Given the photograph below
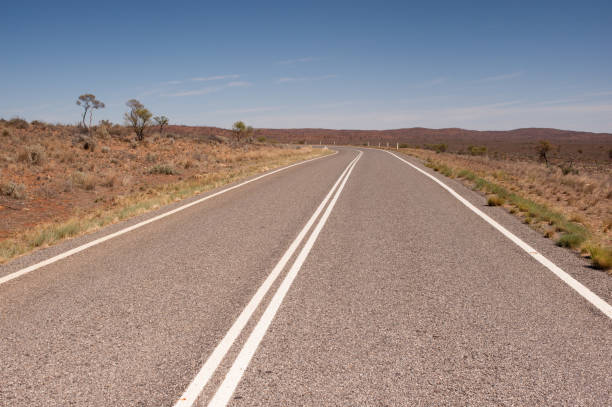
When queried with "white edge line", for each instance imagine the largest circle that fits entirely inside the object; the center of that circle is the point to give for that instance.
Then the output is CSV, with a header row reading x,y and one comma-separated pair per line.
x,y
234,375
78,249
212,363
590,296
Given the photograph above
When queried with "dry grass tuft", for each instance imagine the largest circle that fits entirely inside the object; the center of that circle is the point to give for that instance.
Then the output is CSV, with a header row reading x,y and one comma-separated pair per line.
x,y
495,200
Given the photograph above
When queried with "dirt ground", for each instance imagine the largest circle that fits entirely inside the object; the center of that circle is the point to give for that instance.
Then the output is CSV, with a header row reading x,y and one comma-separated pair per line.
x,y
50,172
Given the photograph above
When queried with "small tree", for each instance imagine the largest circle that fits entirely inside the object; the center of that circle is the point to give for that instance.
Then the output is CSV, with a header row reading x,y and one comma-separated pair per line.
x,y
543,148
162,121
242,132
89,103
137,117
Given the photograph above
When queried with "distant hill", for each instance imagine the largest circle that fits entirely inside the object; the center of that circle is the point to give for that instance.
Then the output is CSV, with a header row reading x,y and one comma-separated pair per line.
x,y
567,143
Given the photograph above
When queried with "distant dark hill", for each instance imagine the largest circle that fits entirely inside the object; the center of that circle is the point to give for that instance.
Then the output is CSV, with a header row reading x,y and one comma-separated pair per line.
x,y
520,142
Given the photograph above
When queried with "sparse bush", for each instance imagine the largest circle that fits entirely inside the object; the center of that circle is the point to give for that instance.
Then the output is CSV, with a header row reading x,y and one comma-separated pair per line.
x,y
151,158
198,156
495,200
6,133
242,132
18,123
13,190
89,144
601,256
568,168
102,133
438,148
572,240
403,145
38,123
477,150
84,180
467,174
261,139
109,180
33,155
441,168
162,169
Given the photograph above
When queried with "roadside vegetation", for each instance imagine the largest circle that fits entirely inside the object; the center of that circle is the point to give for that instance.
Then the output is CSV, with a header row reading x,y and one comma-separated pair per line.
x,y
568,202
61,181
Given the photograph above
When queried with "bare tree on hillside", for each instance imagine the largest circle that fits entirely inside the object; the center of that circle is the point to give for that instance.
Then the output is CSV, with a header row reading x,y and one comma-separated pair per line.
x,y
162,121
543,148
89,103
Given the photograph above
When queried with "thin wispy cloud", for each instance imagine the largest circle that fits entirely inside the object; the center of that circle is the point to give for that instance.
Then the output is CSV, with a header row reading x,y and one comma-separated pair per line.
x,y
502,77
604,93
215,78
246,110
433,82
297,60
304,78
195,92
572,99
208,90
238,84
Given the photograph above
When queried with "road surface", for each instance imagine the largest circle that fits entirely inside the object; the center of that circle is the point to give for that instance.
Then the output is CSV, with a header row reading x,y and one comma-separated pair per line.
x,y
354,279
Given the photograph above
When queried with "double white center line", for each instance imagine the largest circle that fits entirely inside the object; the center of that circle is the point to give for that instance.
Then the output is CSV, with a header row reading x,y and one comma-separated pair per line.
x,y
225,391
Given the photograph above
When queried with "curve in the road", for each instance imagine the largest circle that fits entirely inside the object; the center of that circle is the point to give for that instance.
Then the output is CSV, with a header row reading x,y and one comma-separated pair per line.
x,y
587,294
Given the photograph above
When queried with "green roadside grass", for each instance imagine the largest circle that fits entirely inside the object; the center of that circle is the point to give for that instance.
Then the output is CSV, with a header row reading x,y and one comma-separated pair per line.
x,y
128,206
567,233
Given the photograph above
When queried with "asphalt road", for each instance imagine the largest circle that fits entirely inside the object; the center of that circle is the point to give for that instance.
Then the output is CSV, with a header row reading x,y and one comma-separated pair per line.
x,y
349,280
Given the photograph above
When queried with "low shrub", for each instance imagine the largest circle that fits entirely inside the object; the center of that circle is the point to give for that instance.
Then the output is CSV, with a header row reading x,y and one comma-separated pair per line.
x,y
572,240
18,123
84,180
601,256
162,169
89,144
13,190
33,155
477,150
438,148
495,200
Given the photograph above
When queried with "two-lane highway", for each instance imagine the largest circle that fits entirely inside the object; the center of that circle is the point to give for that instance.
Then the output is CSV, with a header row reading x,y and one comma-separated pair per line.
x,y
349,280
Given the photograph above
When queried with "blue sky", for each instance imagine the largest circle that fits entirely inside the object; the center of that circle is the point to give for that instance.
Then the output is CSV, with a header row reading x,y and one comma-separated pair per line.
x,y
334,64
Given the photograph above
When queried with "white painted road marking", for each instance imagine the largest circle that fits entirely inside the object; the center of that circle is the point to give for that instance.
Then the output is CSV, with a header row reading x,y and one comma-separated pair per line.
x,y
233,377
212,363
567,279
78,249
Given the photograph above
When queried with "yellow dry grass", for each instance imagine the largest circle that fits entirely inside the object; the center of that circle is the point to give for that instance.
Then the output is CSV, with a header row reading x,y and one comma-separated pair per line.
x,y
115,181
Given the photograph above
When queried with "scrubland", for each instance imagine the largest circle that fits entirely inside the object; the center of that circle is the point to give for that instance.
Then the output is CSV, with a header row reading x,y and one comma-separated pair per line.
x,y
60,181
568,202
